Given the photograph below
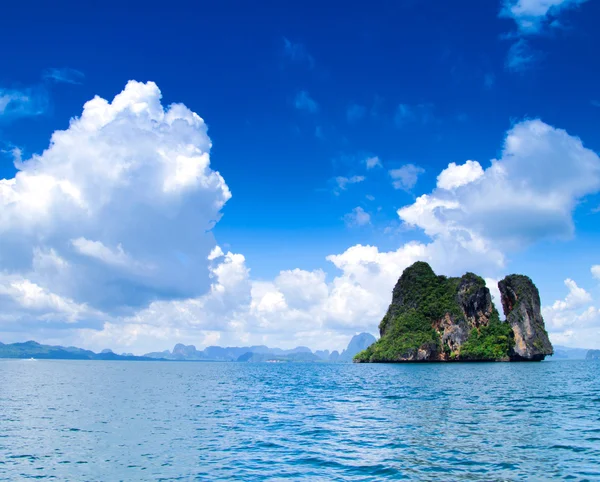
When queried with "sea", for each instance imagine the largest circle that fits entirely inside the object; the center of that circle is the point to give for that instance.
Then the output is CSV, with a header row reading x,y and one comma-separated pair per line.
x,y
129,421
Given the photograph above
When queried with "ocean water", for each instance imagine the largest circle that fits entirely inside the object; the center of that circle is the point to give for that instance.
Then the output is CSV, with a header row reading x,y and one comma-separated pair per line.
x,y
110,421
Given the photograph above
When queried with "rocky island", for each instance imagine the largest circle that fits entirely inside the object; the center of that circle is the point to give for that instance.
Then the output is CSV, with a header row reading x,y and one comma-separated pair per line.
x,y
593,355
436,319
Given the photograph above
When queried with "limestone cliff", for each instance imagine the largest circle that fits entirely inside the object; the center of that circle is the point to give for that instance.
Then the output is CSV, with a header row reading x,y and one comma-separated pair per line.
x,y
435,318
521,305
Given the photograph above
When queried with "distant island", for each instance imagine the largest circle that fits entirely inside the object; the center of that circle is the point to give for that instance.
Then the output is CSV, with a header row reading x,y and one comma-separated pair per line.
x,y
260,353
435,318
593,355
32,349
568,353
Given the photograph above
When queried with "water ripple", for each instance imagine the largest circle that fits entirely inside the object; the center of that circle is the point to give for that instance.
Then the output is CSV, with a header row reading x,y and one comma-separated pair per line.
x,y
77,420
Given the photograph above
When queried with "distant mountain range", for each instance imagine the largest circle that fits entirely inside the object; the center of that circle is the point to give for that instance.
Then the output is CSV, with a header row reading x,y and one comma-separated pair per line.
x,y
260,353
32,349
566,353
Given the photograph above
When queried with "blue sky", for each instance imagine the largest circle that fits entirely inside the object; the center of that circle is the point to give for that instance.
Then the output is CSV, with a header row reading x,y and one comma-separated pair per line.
x,y
297,98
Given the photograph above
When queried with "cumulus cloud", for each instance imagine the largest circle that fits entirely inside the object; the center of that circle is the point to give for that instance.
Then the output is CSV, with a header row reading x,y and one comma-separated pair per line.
x,y
95,249
576,298
405,177
26,300
527,195
124,197
567,318
596,271
542,173
456,176
105,236
358,217
305,102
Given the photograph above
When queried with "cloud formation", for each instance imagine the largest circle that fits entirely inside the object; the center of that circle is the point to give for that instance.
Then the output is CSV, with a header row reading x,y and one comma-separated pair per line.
x,y
372,162
64,75
573,320
105,236
343,182
305,102
358,217
532,16
456,176
406,177
117,211
521,56
27,102
527,195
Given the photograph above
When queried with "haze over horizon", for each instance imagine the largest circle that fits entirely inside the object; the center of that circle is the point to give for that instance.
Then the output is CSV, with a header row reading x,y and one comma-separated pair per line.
x,y
271,191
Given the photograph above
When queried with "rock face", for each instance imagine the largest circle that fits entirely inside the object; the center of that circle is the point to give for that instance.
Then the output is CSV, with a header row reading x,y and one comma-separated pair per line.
x,y
435,318
521,305
357,344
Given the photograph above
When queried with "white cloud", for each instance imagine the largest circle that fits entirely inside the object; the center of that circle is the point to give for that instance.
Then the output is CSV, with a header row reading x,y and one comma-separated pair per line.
x,y
459,175
26,300
521,56
406,177
343,182
492,285
95,249
527,195
27,102
596,271
358,217
64,75
305,102
532,15
373,162
571,313
127,184
576,298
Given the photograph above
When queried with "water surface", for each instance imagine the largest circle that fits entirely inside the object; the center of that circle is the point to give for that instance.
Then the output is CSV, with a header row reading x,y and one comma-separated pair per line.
x,y
80,420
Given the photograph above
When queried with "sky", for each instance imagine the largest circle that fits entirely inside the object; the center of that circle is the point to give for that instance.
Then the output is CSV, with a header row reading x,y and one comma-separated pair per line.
x,y
236,173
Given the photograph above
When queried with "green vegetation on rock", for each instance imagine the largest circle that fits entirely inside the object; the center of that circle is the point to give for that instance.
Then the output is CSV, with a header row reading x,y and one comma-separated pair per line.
x,y
492,342
409,331
435,318
419,298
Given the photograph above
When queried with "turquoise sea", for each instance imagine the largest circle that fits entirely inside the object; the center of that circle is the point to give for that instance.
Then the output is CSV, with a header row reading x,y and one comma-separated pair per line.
x,y
110,421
